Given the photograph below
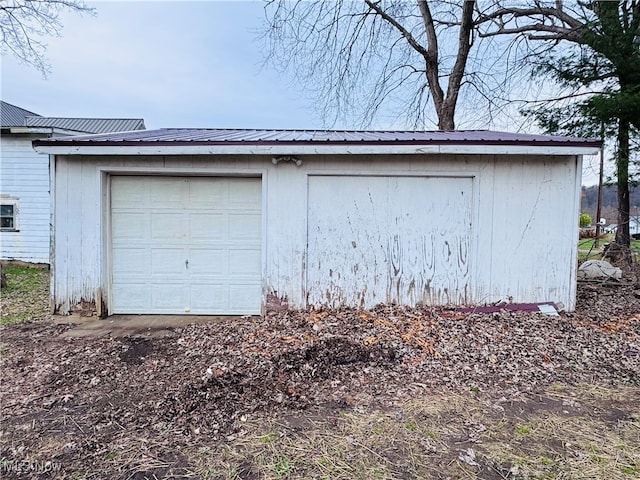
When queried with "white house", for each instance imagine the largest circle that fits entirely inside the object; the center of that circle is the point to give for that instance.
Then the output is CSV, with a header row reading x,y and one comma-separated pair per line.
x,y
25,212
207,221
634,226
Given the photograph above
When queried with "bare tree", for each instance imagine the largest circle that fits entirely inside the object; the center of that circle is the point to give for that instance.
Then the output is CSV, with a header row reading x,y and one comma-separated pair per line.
x,y
357,55
25,23
364,59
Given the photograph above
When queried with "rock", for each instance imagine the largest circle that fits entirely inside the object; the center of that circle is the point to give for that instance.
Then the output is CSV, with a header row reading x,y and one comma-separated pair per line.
x,y
598,269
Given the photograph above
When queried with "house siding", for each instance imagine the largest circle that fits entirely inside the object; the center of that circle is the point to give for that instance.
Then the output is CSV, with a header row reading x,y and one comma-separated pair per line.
x,y
25,177
523,216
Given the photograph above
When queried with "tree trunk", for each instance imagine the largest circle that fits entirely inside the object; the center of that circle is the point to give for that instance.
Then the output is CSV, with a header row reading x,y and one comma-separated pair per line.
x,y
622,249
446,113
445,117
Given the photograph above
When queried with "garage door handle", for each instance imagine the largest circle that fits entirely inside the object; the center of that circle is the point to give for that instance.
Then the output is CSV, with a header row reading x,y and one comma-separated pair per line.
x,y
186,263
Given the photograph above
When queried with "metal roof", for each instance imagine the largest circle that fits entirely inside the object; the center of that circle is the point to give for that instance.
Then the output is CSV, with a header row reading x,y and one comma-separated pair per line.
x,y
12,116
256,137
87,125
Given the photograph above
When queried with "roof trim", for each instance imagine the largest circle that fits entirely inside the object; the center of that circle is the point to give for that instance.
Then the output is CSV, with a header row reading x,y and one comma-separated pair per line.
x,y
298,148
183,141
40,131
245,143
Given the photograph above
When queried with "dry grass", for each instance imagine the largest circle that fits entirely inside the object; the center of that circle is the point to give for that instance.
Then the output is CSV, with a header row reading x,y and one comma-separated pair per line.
x,y
554,446
563,433
26,296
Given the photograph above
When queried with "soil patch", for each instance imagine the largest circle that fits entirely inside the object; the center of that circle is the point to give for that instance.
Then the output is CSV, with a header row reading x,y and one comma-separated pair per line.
x,y
388,393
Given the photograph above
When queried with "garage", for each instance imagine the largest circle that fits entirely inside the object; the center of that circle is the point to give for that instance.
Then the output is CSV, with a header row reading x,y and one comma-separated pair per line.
x,y
249,221
397,239
185,245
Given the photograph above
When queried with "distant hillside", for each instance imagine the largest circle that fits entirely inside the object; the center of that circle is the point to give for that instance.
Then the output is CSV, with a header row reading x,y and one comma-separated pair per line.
x,y
589,201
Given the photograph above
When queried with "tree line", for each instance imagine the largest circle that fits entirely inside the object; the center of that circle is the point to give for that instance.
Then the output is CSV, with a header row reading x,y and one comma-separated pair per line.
x,y
589,201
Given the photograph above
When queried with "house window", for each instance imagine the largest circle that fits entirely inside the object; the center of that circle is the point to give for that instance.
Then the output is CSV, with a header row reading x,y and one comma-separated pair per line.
x,y
8,212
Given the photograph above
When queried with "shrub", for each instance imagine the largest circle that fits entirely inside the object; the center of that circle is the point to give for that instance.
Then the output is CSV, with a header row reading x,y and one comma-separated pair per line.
x,y
585,220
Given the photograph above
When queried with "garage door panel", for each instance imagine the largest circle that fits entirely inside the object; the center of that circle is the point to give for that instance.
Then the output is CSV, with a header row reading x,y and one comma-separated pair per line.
x,y
165,226
168,261
203,196
175,240
130,261
243,263
207,295
243,296
209,262
208,226
132,296
129,225
169,297
127,191
242,227
242,195
168,194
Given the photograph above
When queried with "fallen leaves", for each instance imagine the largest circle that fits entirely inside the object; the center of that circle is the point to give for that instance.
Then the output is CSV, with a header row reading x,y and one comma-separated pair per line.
x,y
207,378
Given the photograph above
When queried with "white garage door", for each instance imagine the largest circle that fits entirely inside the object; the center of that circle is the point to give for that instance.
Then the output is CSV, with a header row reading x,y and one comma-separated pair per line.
x,y
389,239
186,245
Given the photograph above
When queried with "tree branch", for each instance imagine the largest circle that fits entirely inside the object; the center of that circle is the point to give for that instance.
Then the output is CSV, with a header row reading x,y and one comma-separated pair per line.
x,y
545,12
22,22
405,33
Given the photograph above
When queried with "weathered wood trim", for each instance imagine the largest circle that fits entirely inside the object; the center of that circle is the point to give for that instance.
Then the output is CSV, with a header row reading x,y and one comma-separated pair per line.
x,y
573,280
105,235
170,150
52,236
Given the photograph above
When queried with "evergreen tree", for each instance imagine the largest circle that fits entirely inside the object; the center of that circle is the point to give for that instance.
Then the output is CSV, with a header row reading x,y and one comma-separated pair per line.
x,y
601,69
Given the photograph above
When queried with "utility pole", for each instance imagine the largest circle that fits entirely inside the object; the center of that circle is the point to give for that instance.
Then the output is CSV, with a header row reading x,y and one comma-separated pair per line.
x,y
596,243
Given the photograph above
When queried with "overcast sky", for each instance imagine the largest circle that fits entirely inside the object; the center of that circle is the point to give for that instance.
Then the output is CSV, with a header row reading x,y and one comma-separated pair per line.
x,y
175,64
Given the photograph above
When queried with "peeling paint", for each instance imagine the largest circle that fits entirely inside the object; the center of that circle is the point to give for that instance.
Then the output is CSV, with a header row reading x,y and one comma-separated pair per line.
x,y
423,244
276,302
429,229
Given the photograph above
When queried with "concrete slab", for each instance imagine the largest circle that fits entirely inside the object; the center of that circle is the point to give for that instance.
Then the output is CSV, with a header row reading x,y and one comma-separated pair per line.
x,y
74,319
147,326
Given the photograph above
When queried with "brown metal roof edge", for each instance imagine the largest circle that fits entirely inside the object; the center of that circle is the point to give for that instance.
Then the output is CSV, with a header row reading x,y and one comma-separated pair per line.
x,y
167,143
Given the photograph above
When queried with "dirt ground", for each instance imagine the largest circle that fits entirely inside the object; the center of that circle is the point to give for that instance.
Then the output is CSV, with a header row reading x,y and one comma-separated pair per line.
x,y
391,393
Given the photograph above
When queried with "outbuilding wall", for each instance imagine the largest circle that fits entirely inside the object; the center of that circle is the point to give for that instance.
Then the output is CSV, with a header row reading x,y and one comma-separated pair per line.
x,y
523,225
24,181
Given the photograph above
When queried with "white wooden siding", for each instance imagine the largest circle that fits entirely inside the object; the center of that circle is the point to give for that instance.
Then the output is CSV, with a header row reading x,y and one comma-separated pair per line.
x,y
523,212
25,176
533,223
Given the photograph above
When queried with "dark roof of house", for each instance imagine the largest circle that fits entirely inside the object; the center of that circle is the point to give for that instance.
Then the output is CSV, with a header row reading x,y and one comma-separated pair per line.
x,y
88,125
212,136
12,116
